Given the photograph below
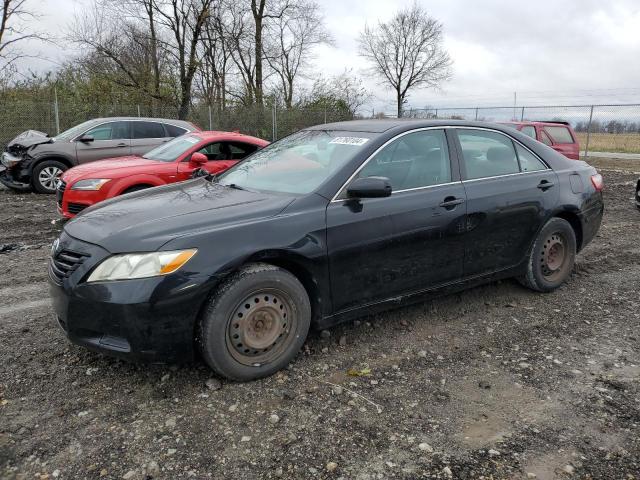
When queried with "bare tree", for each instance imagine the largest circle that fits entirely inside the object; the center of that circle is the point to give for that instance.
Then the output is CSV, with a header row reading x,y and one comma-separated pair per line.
x,y
407,52
13,32
121,48
216,57
342,92
292,36
185,21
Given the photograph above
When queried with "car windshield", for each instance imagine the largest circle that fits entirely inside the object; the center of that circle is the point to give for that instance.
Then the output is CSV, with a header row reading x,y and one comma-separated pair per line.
x,y
170,151
75,131
298,163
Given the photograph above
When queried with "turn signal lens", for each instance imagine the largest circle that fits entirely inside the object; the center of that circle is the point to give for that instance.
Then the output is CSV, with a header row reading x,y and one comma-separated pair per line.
x,y
598,182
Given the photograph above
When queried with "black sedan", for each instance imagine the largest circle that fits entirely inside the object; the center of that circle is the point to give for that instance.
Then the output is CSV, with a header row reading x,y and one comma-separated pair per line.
x,y
330,223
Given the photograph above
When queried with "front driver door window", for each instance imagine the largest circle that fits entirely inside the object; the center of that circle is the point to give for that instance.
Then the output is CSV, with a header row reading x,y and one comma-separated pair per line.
x,y
110,139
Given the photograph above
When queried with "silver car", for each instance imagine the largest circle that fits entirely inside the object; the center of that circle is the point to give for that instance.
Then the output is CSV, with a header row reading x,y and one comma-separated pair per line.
x,y
33,160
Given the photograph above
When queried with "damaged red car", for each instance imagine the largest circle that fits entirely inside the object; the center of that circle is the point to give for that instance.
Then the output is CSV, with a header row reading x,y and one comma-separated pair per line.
x,y
174,161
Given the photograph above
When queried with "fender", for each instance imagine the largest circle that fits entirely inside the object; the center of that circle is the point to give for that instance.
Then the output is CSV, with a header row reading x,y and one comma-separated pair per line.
x,y
119,185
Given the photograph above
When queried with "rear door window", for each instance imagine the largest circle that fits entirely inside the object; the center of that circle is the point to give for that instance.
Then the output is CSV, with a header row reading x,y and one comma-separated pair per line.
x,y
487,154
559,134
148,130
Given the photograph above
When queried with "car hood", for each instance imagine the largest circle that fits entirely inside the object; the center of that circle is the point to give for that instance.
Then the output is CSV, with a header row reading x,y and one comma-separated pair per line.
x,y
29,138
146,220
107,168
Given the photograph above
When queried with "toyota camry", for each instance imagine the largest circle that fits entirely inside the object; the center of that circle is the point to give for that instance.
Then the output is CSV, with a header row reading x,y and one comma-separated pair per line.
x,y
330,223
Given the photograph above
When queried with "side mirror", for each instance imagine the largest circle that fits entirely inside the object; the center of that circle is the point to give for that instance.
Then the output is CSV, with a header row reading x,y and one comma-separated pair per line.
x,y
369,187
86,138
197,160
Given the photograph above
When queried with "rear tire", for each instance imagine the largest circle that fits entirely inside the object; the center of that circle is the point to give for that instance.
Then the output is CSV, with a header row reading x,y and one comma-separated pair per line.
x,y
45,175
551,258
255,323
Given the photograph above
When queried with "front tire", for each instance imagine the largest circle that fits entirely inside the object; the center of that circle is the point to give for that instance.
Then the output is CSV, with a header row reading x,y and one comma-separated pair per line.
x,y
255,323
46,174
552,257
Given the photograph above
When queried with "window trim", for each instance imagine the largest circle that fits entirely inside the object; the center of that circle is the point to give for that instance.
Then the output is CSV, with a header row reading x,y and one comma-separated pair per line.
x,y
130,122
338,194
513,140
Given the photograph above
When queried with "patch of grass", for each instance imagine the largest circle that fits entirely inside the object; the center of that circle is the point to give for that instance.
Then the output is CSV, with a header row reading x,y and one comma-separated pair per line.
x,y
611,142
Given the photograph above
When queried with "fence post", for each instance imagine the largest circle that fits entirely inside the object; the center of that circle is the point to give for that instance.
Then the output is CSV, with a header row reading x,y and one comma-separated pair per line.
x,y
56,110
210,119
522,115
274,117
436,113
325,114
586,148
138,111
476,114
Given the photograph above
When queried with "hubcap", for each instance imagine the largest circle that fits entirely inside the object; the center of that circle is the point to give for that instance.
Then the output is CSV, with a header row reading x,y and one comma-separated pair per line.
x,y
48,177
553,256
260,327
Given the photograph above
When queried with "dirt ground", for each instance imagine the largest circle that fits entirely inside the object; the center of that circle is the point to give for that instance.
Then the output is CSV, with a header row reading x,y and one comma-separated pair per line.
x,y
496,382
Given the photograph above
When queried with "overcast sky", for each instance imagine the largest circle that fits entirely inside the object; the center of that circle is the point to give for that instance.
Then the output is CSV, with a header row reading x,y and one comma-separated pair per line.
x,y
548,51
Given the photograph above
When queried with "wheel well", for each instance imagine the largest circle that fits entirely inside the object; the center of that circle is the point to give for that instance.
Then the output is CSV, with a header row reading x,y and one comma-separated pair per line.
x,y
137,186
63,160
574,221
304,276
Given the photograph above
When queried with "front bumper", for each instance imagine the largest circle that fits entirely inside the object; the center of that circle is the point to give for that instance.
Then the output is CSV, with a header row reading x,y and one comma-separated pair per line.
x,y
150,319
8,180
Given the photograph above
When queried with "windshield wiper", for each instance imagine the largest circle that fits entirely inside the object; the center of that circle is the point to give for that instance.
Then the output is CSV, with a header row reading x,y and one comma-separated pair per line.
x,y
234,186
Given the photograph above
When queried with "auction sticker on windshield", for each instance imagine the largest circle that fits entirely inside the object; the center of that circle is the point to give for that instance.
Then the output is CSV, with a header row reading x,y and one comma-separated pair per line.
x,y
349,141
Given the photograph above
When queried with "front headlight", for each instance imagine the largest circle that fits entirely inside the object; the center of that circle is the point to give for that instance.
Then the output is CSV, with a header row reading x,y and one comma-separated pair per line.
x,y
90,184
9,160
140,265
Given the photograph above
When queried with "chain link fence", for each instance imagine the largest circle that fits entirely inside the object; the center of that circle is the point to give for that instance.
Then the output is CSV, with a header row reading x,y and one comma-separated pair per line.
x,y
265,122
600,128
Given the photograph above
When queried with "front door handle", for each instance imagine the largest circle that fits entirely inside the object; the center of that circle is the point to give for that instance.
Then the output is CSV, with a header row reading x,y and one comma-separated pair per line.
x,y
121,145
451,202
545,185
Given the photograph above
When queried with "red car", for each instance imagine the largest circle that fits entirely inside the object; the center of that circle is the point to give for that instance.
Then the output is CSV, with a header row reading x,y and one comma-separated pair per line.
x,y
174,161
558,135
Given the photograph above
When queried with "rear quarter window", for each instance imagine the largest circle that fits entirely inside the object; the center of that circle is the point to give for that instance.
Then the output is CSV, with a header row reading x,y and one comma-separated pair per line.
x,y
173,131
529,131
559,134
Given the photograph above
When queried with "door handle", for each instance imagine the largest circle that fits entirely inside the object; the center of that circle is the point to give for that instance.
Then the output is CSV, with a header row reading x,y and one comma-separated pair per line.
x,y
121,145
545,185
451,202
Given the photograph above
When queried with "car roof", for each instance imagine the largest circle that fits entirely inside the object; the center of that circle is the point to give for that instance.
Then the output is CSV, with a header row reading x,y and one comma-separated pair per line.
x,y
212,134
383,125
171,121
542,123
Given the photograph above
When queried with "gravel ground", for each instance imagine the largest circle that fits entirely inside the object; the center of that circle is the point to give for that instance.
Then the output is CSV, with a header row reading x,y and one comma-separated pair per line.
x,y
495,382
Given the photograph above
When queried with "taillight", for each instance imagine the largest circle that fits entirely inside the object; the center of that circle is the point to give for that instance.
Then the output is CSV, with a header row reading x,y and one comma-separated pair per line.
x,y
598,182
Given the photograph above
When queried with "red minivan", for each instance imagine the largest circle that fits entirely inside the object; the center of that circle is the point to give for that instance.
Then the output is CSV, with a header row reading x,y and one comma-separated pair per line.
x,y
558,135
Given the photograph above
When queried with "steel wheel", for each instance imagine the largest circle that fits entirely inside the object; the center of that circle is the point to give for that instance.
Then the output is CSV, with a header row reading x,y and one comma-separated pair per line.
x,y
553,257
261,327
48,177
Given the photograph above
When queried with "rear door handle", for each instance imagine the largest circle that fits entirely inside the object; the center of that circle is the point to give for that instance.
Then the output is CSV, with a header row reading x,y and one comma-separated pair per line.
x,y
451,202
121,145
545,185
